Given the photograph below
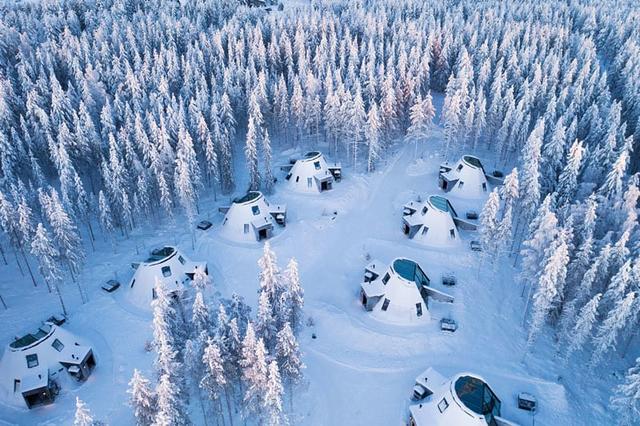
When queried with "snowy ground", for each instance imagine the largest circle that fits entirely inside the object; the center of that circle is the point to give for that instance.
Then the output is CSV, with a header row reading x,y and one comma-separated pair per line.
x,y
359,370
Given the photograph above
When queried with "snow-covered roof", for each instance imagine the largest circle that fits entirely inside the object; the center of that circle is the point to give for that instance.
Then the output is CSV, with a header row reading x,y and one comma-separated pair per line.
x,y
166,264
466,178
308,173
462,400
431,222
27,362
399,288
247,215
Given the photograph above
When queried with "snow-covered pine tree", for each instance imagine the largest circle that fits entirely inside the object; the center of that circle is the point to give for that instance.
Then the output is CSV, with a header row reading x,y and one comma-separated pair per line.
x,y
251,154
613,183
292,299
289,358
142,399
254,372
46,254
266,320
451,114
214,381
580,333
543,230
372,136
201,280
187,179
626,398
530,181
551,279
200,317
357,122
568,179
421,115
269,180
83,415
171,409
270,278
273,397
490,226
65,235
608,331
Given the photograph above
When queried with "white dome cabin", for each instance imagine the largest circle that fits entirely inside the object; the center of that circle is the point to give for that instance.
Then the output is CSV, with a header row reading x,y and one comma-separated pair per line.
x,y
251,218
169,266
34,365
398,292
466,178
433,222
312,174
463,400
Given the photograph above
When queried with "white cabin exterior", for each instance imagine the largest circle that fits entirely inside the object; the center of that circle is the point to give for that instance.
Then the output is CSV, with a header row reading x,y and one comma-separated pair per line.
x,y
33,366
166,265
466,178
312,174
462,400
431,222
398,292
252,218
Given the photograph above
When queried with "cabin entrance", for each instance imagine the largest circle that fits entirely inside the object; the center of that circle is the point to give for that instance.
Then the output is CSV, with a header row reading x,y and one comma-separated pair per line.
x,y
325,186
364,299
405,229
262,234
444,184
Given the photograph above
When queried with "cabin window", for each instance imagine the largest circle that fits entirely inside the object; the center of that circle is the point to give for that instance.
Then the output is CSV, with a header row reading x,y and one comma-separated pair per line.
x,y
385,304
460,184
133,283
425,209
443,405
419,309
32,360
484,186
181,259
309,181
288,176
16,385
385,279
452,233
166,271
460,167
317,165
425,229
57,345
246,228
255,210
153,294
297,179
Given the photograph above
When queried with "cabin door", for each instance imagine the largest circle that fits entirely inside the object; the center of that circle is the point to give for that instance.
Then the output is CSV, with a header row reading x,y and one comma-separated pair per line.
x,y
262,234
324,186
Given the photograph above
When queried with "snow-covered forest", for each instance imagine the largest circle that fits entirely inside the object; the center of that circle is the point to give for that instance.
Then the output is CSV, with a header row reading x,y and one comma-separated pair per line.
x,y
120,115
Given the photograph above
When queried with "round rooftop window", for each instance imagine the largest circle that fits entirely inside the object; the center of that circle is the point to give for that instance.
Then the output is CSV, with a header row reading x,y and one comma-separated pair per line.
x,y
250,196
440,203
477,396
311,154
475,162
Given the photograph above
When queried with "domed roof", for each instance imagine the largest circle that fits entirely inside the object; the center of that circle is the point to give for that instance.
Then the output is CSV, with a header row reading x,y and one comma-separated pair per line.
x,y
166,264
310,174
27,362
465,400
400,292
431,222
466,178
